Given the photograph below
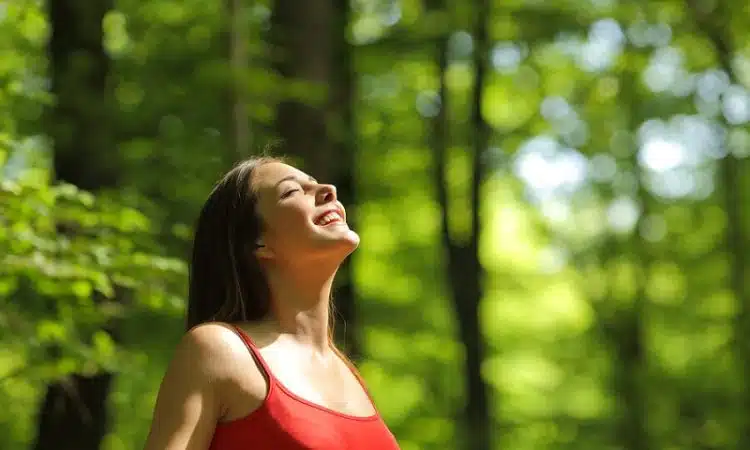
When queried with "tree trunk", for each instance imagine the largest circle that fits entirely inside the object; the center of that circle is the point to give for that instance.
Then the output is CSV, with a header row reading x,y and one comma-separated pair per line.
x,y
343,134
466,266
236,28
714,21
73,414
735,241
622,326
301,49
631,432
465,271
80,122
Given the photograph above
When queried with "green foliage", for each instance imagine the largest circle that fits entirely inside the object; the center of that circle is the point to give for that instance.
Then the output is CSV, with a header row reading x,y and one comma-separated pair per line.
x,y
568,258
72,263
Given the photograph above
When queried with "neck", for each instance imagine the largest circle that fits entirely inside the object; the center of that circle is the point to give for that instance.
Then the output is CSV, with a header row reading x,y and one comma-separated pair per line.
x,y
301,304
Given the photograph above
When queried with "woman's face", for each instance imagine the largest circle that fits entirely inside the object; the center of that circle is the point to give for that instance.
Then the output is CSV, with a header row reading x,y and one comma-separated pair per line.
x,y
302,219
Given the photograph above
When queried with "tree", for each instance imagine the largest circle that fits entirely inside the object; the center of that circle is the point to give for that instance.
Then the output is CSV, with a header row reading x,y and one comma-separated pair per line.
x,y
301,52
464,269
73,413
236,26
714,22
627,331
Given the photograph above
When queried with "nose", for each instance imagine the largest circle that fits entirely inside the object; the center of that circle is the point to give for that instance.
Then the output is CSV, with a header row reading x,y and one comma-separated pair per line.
x,y
326,194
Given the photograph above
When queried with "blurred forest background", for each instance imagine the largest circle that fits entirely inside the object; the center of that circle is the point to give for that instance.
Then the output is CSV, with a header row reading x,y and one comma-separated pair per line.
x,y
550,195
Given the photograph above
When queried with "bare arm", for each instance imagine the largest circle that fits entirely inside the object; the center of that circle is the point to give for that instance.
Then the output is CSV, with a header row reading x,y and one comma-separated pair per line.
x,y
188,405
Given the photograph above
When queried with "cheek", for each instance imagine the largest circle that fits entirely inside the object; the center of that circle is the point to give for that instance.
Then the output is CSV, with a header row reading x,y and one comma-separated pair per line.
x,y
289,221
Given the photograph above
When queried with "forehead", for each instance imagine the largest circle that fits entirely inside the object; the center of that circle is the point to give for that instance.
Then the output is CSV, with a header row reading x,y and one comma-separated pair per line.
x,y
268,176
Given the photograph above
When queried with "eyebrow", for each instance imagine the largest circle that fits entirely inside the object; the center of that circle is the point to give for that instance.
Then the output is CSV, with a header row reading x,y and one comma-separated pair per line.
x,y
294,178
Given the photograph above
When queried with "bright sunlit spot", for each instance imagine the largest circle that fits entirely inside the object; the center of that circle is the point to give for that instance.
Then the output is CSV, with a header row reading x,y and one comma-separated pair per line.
x,y
623,214
665,72
678,154
736,105
661,155
603,46
506,56
549,169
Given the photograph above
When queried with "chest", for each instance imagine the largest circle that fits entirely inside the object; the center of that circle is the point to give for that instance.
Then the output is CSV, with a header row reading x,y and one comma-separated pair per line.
x,y
331,386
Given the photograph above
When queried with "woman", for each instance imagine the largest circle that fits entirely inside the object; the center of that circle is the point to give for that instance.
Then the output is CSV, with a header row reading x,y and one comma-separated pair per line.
x,y
257,369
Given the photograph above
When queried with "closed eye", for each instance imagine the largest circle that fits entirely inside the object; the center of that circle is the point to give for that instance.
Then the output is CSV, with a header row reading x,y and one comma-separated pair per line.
x,y
290,192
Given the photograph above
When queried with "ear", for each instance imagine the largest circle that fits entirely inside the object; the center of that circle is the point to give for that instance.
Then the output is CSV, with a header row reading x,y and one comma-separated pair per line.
x,y
261,251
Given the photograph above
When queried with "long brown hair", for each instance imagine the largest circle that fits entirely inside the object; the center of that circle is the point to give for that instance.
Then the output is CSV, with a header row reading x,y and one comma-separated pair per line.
x,y
226,280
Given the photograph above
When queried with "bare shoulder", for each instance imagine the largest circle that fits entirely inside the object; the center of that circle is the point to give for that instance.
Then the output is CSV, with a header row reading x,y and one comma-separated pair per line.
x,y
213,349
213,337
241,383
209,364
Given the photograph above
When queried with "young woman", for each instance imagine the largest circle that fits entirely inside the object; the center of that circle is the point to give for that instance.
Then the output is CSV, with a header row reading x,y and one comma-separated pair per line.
x,y
257,369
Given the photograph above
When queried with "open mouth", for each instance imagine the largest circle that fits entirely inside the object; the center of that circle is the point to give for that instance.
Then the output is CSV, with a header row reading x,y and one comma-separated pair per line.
x,y
329,218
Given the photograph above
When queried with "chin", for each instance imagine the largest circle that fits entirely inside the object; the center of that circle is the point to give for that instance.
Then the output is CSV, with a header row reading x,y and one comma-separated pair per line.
x,y
349,242
341,245
353,238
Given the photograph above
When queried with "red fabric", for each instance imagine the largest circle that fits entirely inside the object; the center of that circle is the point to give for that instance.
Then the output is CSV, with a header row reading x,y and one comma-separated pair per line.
x,y
285,421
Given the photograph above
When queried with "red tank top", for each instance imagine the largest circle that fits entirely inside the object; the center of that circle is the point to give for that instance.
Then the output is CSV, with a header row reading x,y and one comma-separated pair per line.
x,y
285,421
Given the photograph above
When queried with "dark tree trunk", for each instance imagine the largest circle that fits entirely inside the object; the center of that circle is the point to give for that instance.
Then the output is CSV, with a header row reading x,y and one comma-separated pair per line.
x,y
630,339
465,271
622,326
342,131
80,121
629,375
73,414
301,50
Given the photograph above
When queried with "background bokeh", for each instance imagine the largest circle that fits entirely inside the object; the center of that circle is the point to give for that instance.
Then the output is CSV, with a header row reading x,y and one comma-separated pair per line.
x,y
551,197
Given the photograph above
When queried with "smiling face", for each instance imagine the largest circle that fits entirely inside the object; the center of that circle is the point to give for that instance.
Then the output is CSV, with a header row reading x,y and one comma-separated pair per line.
x,y
302,219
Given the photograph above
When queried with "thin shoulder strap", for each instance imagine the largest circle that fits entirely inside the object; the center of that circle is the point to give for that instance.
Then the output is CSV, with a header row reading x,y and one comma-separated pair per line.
x,y
254,351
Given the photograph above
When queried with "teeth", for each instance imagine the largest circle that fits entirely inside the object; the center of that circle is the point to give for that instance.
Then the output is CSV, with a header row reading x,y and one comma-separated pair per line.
x,y
328,218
